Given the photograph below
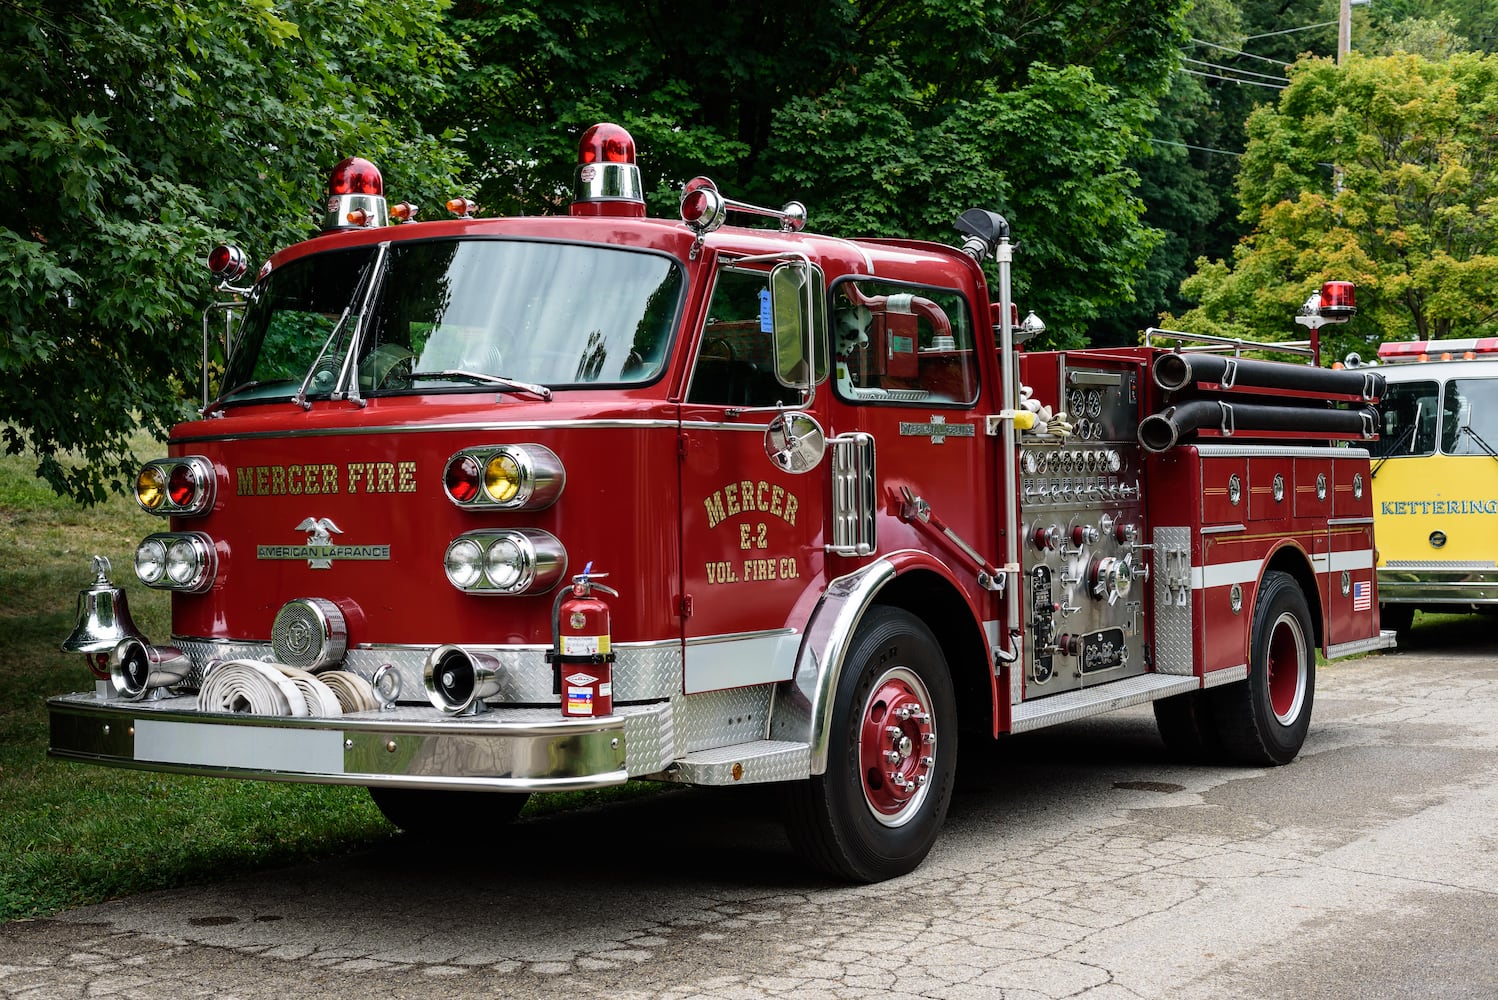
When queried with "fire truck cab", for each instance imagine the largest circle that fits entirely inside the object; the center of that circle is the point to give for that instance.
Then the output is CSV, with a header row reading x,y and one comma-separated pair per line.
x,y
483,507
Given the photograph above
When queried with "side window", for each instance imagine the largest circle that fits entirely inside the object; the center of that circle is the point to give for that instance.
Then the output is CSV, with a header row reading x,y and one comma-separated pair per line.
x,y
1408,416
735,363
902,344
1469,416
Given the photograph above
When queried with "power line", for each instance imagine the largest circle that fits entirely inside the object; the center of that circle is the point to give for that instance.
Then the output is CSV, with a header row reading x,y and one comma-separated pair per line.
x,y
1289,31
1239,52
1233,69
1187,145
1234,79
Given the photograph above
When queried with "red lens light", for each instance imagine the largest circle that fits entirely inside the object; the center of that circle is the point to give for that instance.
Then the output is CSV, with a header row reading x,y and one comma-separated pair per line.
x,y
356,175
1338,295
182,487
227,262
606,143
694,206
462,478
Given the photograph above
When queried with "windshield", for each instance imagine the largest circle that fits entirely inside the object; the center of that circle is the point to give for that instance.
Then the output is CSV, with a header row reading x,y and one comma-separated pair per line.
x,y
1408,420
455,315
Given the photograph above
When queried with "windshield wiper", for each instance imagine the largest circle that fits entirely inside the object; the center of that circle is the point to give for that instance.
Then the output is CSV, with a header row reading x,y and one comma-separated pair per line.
x,y
483,378
1408,432
1480,442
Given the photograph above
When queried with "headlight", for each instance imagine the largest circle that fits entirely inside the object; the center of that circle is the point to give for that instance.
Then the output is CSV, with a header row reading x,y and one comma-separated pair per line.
x,y
181,486
172,561
505,477
506,561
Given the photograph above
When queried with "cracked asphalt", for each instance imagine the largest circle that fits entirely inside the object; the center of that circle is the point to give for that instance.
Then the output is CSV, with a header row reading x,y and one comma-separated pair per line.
x,y
1076,862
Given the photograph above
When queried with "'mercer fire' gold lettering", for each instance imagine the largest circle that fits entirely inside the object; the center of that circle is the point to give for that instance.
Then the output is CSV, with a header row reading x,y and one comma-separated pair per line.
x,y
325,479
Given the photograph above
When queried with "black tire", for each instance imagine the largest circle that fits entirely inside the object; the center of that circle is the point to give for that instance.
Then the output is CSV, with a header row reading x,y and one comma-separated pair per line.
x,y
854,822
1187,728
1399,617
1264,719
423,812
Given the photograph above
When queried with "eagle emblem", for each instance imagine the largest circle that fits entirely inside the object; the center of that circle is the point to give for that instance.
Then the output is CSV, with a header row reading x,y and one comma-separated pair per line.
x,y
320,532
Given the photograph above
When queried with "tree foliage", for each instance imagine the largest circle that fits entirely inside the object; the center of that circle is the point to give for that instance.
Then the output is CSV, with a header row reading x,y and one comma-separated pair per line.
x,y
136,133
1381,172
885,119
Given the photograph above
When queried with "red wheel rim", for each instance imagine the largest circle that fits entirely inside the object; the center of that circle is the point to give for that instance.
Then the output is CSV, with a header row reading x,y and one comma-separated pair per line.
x,y
1286,668
896,746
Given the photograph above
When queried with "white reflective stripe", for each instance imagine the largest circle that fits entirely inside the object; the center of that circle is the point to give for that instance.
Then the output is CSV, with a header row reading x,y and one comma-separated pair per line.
x,y
1247,571
250,748
1225,574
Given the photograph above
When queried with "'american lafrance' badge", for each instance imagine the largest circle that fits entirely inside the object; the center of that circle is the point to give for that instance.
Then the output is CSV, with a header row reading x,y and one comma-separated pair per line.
x,y
320,550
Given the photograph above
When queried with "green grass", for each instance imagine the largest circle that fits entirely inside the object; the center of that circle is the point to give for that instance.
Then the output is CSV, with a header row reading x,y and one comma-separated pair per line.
x,y
72,834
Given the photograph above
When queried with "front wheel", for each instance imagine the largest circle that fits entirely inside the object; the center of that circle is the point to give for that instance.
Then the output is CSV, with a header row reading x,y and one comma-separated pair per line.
x,y
1264,719
891,756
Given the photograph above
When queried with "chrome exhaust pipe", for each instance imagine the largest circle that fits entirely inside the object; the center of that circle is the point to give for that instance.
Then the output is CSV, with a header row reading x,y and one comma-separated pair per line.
x,y
138,671
458,680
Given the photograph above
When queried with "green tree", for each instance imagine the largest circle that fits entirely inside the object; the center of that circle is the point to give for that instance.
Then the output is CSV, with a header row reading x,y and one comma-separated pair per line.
x,y
884,118
136,133
1380,172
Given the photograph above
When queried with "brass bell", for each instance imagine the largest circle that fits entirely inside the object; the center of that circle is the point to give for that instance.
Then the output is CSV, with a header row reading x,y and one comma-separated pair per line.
x,y
103,615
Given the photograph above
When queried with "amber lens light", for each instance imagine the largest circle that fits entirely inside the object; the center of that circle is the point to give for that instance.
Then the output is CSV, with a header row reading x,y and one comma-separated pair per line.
x,y
502,478
151,487
462,478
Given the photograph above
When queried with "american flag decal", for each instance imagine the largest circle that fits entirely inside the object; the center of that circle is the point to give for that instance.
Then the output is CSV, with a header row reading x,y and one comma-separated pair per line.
x,y
1362,596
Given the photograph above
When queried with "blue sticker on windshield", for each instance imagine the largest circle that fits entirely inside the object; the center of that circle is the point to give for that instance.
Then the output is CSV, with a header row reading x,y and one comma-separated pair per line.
x,y
766,321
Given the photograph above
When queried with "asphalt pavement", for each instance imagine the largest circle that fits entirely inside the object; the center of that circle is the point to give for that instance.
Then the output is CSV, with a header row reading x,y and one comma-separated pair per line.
x,y
1076,862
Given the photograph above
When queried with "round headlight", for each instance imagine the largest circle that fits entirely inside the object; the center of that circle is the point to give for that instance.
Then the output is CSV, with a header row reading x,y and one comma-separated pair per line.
x,y
150,561
508,563
464,562
151,487
503,477
182,562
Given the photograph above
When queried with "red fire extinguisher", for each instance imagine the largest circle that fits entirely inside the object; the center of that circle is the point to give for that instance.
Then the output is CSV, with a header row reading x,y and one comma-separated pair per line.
x,y
581,647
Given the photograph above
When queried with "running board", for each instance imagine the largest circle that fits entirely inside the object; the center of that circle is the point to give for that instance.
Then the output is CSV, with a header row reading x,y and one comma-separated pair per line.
x,y
743,763
1074,705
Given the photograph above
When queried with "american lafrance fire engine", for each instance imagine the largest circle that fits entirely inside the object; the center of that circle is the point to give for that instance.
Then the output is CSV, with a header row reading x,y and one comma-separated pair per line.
x,y
483,507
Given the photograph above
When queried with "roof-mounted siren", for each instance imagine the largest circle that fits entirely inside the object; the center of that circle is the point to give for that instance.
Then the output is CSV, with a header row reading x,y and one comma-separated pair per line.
x,y
704,208
607,181
356,197
1335,303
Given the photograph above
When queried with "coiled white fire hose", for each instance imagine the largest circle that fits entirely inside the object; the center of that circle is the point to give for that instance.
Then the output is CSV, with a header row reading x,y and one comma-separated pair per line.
x,y
250,687
355,694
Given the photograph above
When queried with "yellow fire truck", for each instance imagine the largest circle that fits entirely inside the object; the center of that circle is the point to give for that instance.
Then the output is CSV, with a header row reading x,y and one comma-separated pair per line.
x,y
1435,478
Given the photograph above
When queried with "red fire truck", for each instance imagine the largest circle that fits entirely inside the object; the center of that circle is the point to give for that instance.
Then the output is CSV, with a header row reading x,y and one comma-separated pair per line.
x,y
482,507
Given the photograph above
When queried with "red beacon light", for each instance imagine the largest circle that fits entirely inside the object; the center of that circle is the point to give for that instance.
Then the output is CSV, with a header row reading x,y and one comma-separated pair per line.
x,y
227,263
356,196
1338,299
607,181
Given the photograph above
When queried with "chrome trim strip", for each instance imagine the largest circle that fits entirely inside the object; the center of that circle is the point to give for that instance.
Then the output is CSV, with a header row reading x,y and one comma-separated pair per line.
x,y
1222,529
1339,522
466,427
1288,451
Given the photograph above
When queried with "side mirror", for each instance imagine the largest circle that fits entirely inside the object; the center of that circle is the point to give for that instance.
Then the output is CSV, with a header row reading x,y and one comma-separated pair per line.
x,y
795,314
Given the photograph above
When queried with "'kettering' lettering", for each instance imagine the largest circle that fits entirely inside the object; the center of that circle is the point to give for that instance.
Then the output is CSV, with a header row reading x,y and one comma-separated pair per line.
x,y
1427,507
747,497
325,480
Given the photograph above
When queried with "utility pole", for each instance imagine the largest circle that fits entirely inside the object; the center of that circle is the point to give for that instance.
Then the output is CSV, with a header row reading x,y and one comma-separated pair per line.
x,y
1344,31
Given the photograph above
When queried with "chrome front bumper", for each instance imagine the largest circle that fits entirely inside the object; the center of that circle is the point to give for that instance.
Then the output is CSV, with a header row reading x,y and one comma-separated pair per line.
x,y
517,750
1438,583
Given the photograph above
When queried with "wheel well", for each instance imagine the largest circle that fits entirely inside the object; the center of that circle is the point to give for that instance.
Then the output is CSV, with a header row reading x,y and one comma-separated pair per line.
x,y
1292,561
945,611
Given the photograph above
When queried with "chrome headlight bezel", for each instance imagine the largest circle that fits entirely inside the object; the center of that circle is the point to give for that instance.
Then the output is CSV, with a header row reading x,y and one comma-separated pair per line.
x,y
186,562
185,487
505,561
504,477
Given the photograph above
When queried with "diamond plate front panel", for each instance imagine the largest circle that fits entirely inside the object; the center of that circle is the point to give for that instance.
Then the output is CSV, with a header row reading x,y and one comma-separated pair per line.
x,y
1173,600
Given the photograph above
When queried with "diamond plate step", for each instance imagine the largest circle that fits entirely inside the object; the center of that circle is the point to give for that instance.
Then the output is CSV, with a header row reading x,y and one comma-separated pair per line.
x,y
1096,700
761,760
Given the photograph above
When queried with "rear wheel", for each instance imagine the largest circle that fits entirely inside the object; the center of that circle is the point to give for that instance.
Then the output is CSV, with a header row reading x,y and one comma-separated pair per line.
x,y
1264,719
891,756
424,812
